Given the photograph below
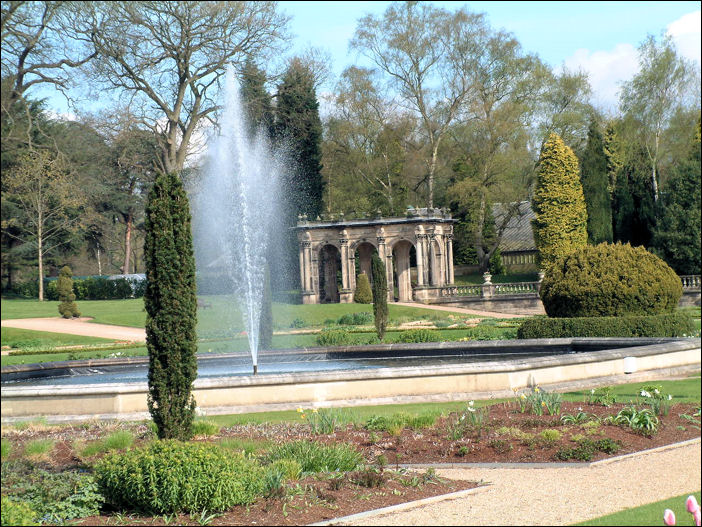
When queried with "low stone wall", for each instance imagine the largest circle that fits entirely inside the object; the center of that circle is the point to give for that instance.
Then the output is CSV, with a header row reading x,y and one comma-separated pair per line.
x,y
338,388
525,303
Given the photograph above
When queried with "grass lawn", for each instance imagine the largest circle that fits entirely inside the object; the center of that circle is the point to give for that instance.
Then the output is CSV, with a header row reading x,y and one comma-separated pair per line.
x,y
651,514
24,338
131,313
683,391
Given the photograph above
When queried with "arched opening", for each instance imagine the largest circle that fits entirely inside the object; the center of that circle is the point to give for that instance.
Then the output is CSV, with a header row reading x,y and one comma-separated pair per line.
x,y
403,255
329,274
362,258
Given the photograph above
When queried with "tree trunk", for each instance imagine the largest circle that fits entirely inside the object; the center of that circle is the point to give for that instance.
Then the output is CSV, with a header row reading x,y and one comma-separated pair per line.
x,y
432,169
41,265
483,257
127,243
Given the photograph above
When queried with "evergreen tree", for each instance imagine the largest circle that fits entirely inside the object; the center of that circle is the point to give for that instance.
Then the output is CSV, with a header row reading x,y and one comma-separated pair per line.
x,y
380,295
299,126
593,167
559,204
64,287
634,206
171,308
256,100
265,327
677,235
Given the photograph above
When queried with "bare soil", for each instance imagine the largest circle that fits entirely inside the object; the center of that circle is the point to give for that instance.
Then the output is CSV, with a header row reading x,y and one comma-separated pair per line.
x,y
323,497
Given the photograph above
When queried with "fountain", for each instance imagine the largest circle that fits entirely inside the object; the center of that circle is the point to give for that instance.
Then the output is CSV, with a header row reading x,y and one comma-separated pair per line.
x,y
234,213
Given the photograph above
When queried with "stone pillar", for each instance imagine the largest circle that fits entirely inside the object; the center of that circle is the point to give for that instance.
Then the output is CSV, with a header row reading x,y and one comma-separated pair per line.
x,y
420,260
433,264
449,258
308,295
346,293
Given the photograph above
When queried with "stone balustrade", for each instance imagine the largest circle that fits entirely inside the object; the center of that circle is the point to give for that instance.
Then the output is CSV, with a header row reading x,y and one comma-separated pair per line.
x,y
690,282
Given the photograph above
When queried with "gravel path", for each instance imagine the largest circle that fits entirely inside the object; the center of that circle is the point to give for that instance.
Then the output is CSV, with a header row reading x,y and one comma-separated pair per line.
x,y
559,496
467,311
79,326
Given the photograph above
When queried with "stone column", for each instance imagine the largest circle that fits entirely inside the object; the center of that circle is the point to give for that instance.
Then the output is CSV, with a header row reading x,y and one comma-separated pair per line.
x,y
346,293
420,260
433,264
449,258
308,294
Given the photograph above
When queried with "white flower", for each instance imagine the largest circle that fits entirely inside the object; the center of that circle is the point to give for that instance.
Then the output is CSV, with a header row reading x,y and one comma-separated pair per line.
x,y
470,403
592,391
644,393
656,391
670,397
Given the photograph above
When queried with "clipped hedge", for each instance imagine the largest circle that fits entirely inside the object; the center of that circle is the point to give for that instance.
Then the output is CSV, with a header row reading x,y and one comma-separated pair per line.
x,y
92,288
610,280
170,476
667,325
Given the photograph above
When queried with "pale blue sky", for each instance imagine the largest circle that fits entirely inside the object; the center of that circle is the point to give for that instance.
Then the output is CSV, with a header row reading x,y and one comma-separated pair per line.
x,y
598,37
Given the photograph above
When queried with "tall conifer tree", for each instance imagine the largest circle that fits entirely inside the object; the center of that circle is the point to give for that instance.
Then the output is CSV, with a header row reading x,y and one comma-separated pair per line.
x,y
171,308
593,174
677,235
256,100
299,126
559,204
380,295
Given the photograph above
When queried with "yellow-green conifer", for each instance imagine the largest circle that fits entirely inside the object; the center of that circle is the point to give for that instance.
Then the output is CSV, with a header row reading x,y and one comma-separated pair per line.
x,y
560,226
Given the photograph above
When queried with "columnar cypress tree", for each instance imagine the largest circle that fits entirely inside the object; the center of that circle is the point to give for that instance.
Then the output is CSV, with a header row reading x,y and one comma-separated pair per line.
x,y
593,175
64,287
171,308
559,204
298,124
380,295
265,327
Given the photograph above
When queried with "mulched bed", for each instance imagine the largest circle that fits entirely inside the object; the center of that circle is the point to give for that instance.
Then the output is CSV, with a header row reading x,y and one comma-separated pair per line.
x,y
316,499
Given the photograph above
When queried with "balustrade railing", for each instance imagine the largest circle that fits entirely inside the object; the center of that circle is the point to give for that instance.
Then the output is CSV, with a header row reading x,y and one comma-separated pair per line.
x,y
690,282
486,290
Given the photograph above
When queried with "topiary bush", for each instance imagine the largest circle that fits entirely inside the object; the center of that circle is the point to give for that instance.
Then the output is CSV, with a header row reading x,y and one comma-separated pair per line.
x,y
667,325
335,337
363,294
171,476
609,280
67,308
361,318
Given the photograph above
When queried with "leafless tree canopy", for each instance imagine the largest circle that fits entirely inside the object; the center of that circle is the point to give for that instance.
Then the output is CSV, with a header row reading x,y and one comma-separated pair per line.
x,y
166,59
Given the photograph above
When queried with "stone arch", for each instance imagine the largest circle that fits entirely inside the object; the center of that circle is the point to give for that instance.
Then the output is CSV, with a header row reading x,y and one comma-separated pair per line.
x,y
329,267
401,255
363,251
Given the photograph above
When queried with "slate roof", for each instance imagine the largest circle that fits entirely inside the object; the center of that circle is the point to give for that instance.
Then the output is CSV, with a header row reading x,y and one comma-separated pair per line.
x,y
518,235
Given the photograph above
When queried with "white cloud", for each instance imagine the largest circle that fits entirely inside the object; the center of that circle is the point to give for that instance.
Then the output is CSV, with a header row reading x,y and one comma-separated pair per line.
x,y
687,35
606,69
609,68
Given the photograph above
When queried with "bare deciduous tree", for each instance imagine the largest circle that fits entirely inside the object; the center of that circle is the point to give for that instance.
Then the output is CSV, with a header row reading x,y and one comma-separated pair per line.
x,y
427,53
43,189
166,59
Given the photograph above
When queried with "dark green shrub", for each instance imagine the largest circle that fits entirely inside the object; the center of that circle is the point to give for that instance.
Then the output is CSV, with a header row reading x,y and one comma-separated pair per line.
x,y
171,308
380,295
67,308
361,318
335,337
316,457
15,512
416,335
170,476
669,325
609,280
363,294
